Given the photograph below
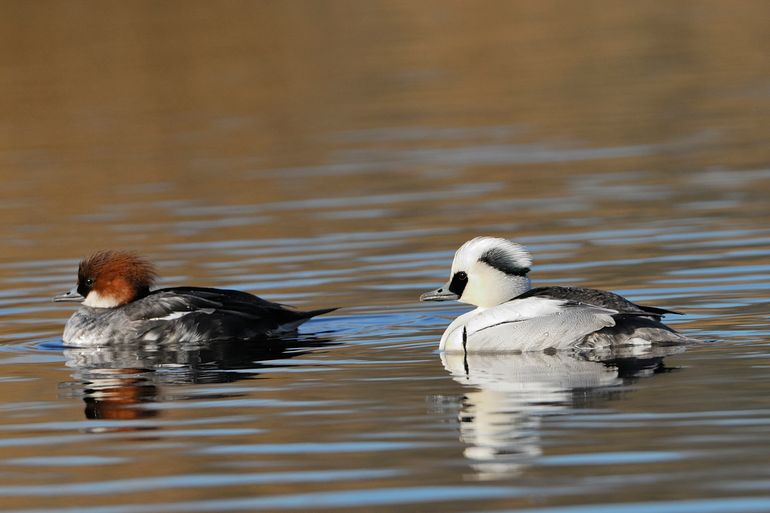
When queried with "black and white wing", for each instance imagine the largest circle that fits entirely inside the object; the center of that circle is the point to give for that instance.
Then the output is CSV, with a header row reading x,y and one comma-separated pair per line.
x,y
595,297
634,324
198,313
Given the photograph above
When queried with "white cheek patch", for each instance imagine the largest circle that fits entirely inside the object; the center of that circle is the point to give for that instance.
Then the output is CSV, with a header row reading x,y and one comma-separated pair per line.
x,y
96,300
486,286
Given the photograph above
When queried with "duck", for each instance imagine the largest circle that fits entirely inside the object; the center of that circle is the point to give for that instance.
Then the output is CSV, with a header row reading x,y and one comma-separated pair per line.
x,y
492,274
119,304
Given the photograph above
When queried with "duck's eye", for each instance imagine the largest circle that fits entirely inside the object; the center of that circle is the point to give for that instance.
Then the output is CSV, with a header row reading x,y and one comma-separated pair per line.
x,y
89,282
461,276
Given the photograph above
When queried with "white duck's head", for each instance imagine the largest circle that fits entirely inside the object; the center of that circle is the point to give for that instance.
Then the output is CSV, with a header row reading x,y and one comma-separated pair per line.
x,y
486,272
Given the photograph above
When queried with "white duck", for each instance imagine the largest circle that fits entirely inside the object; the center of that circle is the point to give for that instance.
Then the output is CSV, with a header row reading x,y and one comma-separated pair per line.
x,y
492,273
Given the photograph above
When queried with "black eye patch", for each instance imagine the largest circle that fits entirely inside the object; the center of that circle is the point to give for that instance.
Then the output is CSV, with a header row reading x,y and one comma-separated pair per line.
x,y
84,286
459,281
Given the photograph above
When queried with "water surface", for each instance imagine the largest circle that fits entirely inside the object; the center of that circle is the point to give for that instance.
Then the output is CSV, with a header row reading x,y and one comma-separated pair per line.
x,y
336,154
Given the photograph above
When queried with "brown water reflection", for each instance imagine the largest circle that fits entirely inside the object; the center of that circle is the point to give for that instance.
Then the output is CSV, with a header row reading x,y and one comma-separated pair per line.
x,y
123,381
335,154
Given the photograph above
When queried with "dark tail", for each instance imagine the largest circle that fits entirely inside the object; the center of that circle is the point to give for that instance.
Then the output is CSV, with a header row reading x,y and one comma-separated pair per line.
x,y
298,318
313,313
658,311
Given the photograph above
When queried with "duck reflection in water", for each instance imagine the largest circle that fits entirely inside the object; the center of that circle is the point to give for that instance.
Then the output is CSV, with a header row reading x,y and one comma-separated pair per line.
x,y
122,381
501,417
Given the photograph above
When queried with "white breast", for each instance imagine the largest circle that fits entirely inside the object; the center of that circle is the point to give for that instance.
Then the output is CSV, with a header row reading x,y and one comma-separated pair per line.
x,y
531,324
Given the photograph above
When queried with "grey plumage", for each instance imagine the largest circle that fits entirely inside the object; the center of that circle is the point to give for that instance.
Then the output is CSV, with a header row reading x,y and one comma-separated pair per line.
x,y
189,314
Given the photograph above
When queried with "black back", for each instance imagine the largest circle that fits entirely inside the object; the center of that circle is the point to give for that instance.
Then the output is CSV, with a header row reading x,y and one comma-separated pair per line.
x,y
595,297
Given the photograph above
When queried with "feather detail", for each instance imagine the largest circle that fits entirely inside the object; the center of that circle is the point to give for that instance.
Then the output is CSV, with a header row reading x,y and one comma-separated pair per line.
x,y
532,324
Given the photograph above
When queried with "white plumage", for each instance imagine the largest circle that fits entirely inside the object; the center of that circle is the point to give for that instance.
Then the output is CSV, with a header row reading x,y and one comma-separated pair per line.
x,y
492,273
532,324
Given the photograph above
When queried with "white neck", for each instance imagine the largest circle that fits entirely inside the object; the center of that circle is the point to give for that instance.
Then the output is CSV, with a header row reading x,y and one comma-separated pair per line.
x,y
96,300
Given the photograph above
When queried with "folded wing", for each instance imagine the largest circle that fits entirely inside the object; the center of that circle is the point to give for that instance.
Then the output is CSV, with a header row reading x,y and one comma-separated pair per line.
x,y
198,313
529,324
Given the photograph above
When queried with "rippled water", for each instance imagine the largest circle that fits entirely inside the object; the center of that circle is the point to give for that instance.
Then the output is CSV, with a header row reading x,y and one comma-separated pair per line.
x,y
336,154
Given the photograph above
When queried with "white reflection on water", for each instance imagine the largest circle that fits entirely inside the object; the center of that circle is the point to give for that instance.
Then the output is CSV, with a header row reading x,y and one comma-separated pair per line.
x,y
501,417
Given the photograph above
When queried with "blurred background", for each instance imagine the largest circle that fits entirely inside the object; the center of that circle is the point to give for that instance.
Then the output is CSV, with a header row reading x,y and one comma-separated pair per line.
x,y
336,153
148,125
